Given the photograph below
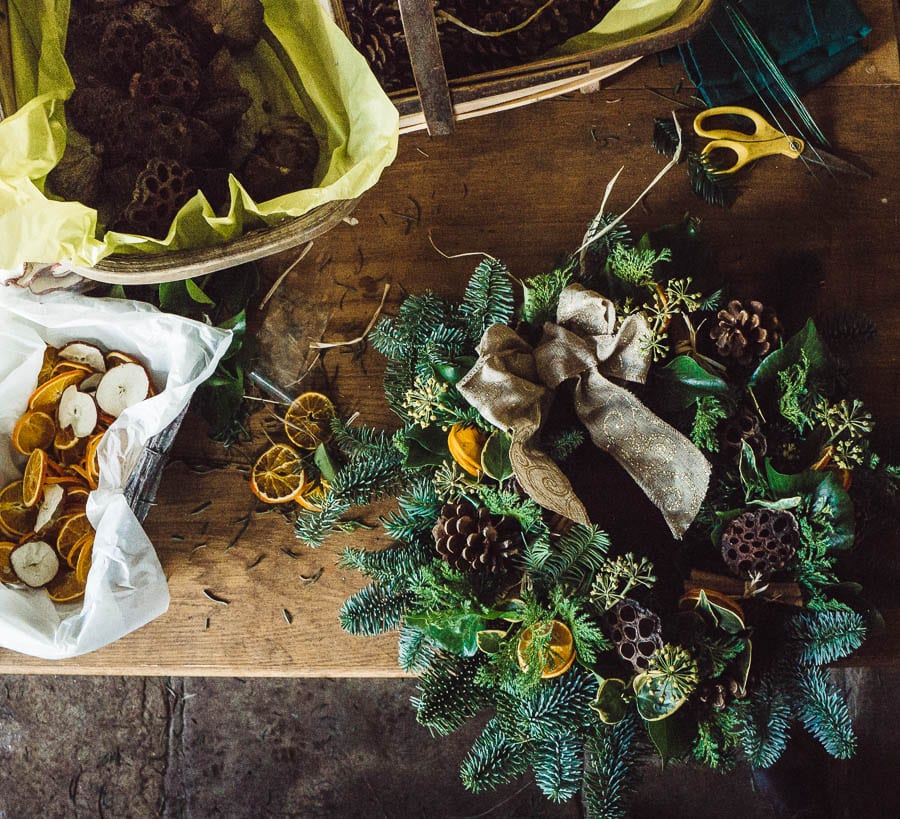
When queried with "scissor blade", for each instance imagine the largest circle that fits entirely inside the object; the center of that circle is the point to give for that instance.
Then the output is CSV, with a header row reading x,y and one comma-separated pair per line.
x,y
832,162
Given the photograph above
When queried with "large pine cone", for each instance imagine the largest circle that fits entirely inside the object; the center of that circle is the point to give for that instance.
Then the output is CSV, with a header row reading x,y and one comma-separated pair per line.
x,y
636,631
377,33
471,539
745,334
760,542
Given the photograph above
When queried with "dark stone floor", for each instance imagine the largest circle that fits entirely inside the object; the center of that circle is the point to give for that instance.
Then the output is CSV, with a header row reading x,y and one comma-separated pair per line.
x,y
190,747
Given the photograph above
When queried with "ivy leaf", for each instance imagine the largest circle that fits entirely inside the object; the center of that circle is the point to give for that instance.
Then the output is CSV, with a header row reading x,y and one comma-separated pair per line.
x,y
685,381
610,703
790,485
426,447
489,640
457,634
495,456
806,341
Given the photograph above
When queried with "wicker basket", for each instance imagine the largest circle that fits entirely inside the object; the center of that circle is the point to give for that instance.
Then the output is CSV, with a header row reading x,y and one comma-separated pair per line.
x,y
437,103
152,268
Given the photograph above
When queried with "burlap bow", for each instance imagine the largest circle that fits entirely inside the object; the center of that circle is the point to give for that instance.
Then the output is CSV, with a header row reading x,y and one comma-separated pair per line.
x,y
512,386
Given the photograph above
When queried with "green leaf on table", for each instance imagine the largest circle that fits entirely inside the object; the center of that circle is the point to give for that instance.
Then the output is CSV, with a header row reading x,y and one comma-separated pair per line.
x,y
323,462
196,293
672,737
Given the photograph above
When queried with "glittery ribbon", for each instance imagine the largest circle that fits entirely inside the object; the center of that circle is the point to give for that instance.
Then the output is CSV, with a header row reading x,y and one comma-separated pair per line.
x,y
512,385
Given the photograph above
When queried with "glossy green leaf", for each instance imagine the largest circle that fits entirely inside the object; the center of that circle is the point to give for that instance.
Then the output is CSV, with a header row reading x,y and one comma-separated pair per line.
x,y
655,699
684,380
456,633
495,456
323,462
489,640
672,737
610,703
830,495
238,326
806,341
196,293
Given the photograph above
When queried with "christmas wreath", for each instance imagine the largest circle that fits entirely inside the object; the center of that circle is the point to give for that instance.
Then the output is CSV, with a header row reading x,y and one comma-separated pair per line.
x,y
710,638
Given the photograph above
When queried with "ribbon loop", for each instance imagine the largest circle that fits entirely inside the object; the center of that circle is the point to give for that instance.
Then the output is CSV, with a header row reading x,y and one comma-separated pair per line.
x,y
511,385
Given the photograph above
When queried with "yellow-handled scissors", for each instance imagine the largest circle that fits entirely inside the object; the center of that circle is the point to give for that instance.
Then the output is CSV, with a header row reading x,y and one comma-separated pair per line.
x,y
764,140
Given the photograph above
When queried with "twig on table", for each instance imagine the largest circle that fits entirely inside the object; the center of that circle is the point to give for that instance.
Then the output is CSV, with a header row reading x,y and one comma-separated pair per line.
x,y
327,345
283,276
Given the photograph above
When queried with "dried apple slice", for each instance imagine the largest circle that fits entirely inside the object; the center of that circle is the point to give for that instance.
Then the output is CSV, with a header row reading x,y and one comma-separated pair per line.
x,y
122,387
50,508
78,411
35,563
91,383
83,353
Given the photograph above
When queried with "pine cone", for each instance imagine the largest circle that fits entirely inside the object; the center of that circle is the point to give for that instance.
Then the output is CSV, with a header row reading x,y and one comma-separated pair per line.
x,y
377,33
760,542
745,334
740,427
720,693
470,539
636,631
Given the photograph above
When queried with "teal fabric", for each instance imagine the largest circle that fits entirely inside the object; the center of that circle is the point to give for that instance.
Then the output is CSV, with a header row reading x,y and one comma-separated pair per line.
x,y
810,40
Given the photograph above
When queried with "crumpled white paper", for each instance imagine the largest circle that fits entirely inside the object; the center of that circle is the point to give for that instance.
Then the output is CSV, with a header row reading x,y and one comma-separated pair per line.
x,y
126,587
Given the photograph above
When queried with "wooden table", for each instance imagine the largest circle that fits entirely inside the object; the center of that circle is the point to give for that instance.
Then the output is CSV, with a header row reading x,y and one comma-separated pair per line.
x,y
521,186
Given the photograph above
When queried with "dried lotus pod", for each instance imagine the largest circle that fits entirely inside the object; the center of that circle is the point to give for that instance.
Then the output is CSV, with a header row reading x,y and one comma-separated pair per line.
x,y
283,161
161,190
636,631
90,108
170,129
76,177
176,85
122,46
237,23
742,426
760,541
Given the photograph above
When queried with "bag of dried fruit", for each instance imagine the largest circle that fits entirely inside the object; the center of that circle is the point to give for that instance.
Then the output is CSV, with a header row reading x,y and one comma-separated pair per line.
x,y
84,385
146,126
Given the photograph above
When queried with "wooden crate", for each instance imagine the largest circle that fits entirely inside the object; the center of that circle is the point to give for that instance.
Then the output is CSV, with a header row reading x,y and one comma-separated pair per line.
x,y
436,102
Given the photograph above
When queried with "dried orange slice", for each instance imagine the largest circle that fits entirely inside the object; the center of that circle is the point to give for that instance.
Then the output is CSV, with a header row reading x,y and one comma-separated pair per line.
x,y
16,519
83,566
278,476
34,477
65,588
7,575
313,499
34,430
72,555
64,366
65,438
307,422
71,531
47,395
560,651
51,356
92,462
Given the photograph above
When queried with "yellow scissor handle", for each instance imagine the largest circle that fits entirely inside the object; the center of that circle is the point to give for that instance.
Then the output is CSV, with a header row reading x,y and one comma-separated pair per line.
x,y
763,141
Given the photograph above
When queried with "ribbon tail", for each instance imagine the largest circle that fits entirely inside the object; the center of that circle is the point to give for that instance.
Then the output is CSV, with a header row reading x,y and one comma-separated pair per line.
x,y
544,481
670,470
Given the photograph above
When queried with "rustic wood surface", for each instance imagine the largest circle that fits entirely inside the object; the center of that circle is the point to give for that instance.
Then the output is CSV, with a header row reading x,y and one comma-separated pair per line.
x,y
520,185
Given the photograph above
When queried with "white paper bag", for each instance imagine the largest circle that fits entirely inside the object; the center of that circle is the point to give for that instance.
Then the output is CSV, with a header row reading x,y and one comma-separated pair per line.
x,y
126,587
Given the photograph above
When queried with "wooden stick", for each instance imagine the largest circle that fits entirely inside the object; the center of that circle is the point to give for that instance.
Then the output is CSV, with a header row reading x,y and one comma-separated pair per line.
x,y
788,593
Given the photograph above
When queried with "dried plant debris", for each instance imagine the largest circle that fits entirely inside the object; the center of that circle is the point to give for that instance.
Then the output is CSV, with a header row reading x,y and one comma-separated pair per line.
x,y
158,113
468,32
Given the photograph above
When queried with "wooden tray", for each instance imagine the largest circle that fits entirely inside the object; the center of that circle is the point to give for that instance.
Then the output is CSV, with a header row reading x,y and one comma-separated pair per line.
x,y
437,102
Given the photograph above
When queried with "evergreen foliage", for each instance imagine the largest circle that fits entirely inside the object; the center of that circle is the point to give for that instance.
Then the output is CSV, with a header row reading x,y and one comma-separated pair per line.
x,y
822,637
418,509
636,265
370,475
609,775
488,299
824,713
719,736
767,722
557,764
542,295
795,402
374,609
385,565
573,559
314,527
414,652
448,693
590,639
352,440
493,760
555,707
709,411
561,445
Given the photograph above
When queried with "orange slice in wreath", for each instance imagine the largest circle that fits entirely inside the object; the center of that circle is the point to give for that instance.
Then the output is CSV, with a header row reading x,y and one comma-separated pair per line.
x,y
34,477
307,422
16,519
83,566
71,531
560,650
278,476
65,588
34,430
51,356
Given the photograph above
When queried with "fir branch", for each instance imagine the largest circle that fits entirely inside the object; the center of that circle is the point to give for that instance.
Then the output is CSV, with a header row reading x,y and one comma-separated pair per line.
x,y
352,440
368,476
847,329
710,410
557,764
418,509
590,640
394,563
493,760
561,445
767,722
826,636
571,560
374,609
488,299
665,137
414,652
542,295
609,775
448,693
314,527
553,709
712,187
824,713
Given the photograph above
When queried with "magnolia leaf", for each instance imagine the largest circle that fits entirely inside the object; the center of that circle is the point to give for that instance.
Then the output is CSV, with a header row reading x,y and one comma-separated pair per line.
x,y
782,503
324,463
426,447
685,380
610,703
722,616
806,341
672,737
196,293
495,460
790,485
